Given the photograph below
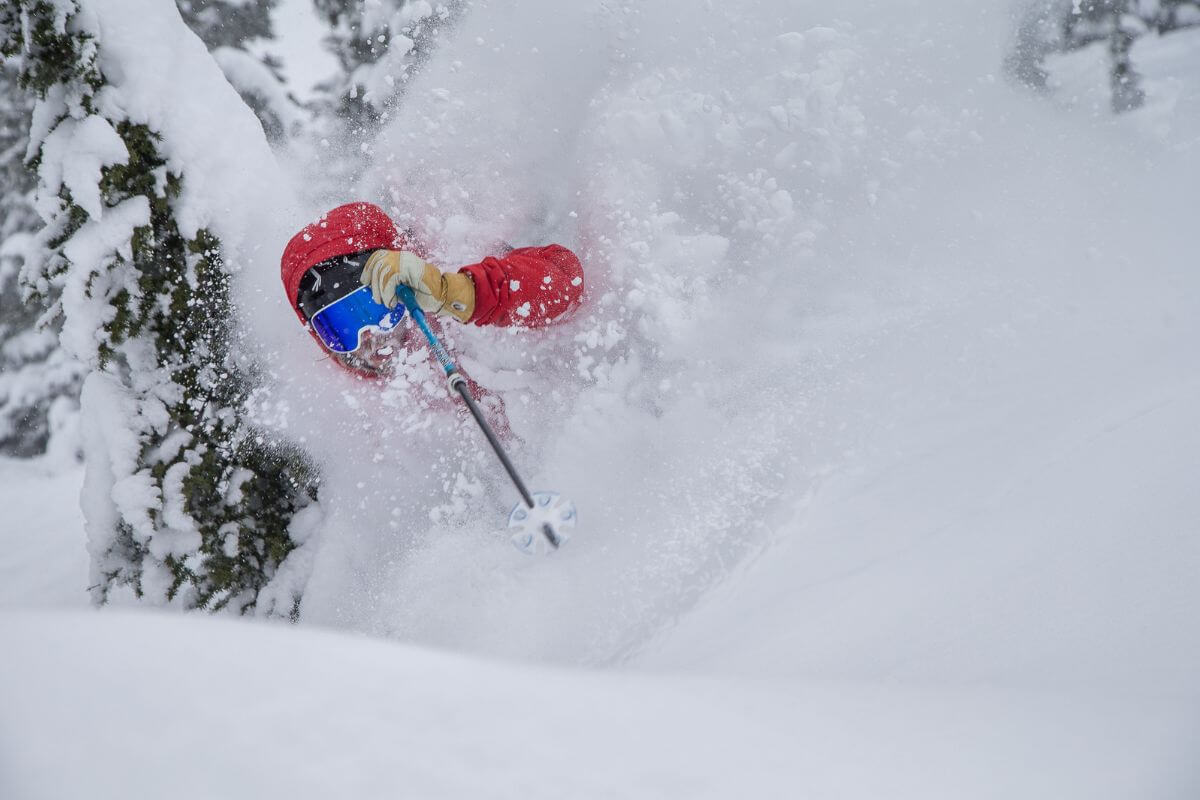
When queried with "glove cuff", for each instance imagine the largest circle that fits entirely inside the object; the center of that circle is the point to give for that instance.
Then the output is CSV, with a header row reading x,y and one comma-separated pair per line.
x,y
458,295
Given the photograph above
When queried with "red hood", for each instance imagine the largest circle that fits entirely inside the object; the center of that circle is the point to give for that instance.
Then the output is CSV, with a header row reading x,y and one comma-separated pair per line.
x,y
350,228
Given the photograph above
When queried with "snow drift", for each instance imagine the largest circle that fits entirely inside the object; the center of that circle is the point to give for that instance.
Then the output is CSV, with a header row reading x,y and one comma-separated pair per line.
x,y
317,714
819,251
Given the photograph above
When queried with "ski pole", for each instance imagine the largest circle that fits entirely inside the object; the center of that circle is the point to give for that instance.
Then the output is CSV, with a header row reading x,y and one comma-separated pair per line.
x,y
459,384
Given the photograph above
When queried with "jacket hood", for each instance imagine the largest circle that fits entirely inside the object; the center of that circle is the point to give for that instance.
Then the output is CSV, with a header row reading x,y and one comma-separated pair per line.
x,y
349,228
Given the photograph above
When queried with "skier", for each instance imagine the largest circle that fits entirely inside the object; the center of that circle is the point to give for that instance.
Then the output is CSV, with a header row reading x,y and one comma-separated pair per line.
x,y
341,274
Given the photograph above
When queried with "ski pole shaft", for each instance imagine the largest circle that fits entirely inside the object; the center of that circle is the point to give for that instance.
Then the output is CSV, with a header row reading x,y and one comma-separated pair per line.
x,y
459,384
439,351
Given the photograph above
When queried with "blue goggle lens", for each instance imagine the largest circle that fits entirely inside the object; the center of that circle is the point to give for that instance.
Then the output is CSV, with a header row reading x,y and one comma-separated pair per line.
x,y
340,325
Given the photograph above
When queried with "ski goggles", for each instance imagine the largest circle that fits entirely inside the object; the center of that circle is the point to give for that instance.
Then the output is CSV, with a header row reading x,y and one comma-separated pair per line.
x,y
339,309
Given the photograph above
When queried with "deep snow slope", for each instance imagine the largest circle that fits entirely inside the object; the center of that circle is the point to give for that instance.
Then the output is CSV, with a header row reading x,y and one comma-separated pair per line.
x,y
314,714
913,343
1012,500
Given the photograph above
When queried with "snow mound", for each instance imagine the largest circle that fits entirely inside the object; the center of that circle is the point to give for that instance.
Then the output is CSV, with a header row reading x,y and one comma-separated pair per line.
x,y
307,713
824,258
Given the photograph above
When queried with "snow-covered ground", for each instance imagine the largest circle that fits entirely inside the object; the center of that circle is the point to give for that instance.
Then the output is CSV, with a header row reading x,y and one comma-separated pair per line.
x,y
205,708
42,558
882,419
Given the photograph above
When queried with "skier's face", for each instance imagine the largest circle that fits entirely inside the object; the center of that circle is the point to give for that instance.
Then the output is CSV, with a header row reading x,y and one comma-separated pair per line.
x,y
376,353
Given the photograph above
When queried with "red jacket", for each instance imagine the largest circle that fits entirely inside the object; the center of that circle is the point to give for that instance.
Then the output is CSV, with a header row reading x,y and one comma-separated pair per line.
x,y
528,287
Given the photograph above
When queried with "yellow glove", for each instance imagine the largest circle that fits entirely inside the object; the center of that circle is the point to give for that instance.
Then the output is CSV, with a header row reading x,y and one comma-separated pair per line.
x,y
437,292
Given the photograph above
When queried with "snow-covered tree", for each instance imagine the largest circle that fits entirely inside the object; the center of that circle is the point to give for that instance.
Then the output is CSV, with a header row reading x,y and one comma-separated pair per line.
x,y
39,383
379,46
183,504
1085,21
1118,23
228,28
1048,26
1124,80
1037,35
378,43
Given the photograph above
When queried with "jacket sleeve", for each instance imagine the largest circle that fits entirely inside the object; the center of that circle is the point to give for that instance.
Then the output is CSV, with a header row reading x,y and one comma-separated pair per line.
x,y
528,287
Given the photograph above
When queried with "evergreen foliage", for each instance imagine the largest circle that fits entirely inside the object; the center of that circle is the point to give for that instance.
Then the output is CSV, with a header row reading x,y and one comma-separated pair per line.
x,y
188,506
